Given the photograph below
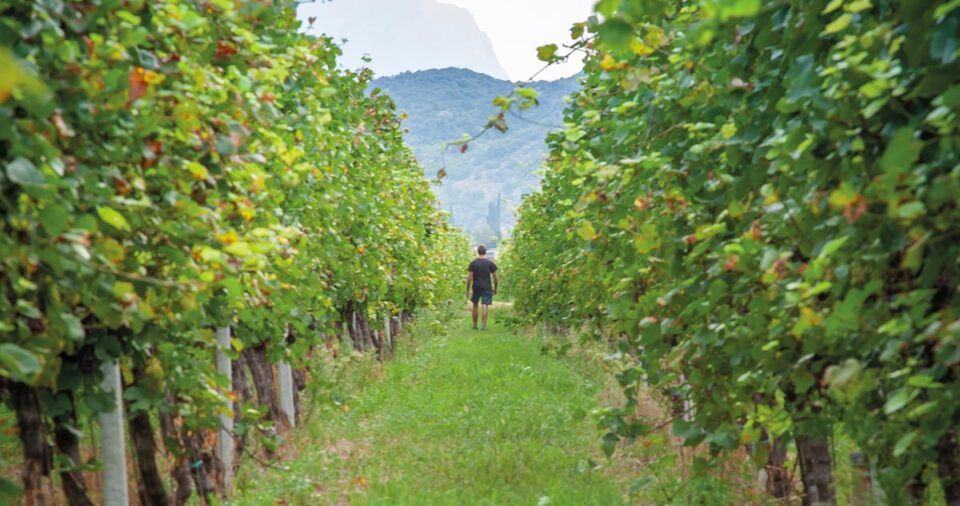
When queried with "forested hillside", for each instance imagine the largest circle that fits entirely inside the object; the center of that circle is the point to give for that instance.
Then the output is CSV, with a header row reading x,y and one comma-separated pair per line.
x,y
444,104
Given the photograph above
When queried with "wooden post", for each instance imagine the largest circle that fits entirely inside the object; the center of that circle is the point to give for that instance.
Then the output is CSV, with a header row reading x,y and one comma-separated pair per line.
x,y
816,468
286,392
225,437
860,495
112,440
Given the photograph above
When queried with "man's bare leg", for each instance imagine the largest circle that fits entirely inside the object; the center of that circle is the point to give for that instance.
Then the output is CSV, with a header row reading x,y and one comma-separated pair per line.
x,y
485,309
474,315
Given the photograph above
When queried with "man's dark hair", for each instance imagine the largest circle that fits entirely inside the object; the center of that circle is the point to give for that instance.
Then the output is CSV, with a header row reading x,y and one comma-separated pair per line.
x,y
481,250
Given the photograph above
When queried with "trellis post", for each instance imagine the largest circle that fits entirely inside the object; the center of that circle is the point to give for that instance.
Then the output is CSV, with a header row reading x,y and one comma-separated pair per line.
x,y
286,392
386,331
112,440
225,437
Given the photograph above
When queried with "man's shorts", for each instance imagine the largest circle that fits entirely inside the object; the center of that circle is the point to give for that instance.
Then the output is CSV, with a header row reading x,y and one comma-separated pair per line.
x,y
487,297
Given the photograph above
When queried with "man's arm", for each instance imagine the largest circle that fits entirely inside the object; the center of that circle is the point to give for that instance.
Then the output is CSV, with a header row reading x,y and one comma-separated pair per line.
x,y
496,282
469,283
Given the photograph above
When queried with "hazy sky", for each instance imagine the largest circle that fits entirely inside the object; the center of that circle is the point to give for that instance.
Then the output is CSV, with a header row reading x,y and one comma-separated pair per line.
x,y
518,27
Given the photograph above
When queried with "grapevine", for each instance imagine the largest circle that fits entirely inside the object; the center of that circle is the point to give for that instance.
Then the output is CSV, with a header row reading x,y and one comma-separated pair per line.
x,y
173,167
758,201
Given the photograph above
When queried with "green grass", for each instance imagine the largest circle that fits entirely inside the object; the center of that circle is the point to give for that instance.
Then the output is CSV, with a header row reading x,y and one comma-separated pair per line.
x,y
467,418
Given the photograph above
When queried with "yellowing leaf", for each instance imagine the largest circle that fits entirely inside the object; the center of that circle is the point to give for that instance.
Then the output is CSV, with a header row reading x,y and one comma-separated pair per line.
x,y
197,171
609,63
229,237
728,130
640,48
586,231
655,37
843,196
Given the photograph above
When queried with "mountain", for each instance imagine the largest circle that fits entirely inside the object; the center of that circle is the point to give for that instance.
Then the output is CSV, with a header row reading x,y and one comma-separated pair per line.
x,y
444,104
404,35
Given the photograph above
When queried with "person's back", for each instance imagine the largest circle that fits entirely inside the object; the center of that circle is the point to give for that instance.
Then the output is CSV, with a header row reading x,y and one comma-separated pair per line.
x,y
481,271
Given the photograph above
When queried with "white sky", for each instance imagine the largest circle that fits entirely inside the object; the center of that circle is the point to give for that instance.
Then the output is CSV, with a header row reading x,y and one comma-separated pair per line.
x,y
517,27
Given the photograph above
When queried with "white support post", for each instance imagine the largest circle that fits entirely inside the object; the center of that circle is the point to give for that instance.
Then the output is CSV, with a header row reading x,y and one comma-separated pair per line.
x,y
286,392
112,440
225,437
386,330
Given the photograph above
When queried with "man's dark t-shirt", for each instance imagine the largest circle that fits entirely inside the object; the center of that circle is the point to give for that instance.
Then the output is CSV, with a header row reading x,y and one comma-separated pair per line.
x,y
481,269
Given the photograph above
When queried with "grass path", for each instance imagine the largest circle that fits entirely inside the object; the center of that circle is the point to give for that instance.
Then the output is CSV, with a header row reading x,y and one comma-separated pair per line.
x,y
468,418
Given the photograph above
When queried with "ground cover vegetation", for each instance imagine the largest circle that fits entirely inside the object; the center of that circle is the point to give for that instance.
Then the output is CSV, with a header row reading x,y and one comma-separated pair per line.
x,y
173,167
757,202
457,417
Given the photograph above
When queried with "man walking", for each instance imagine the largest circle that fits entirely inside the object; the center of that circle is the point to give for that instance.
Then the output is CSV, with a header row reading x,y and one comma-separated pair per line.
x,y
481,269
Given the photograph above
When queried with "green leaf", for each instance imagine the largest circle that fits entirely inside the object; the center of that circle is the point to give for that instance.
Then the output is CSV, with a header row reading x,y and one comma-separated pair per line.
x,y
607,7
898,399
923,381
24,172
901,152
944,9
19,362
832,247
239,249
904,443
113,218
528,93
609,444
802,380
615,34
838,376
739,8
547,53
832,6
911,210
74,326
857,6
122,288
54,219
691,434
576,31
839,24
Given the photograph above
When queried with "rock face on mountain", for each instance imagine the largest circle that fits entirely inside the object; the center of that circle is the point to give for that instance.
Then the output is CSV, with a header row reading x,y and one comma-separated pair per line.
x,y
444,104
404,35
